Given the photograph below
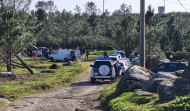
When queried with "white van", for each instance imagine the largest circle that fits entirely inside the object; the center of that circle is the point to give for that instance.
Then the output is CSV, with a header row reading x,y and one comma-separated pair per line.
x,y
61,55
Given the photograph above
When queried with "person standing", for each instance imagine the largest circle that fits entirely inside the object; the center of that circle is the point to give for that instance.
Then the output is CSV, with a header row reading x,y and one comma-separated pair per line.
x,y
87,53
117,68
105,54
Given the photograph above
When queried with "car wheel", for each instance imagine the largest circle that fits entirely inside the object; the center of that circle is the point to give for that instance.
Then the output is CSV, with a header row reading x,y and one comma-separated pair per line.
x,y
93,80
52,59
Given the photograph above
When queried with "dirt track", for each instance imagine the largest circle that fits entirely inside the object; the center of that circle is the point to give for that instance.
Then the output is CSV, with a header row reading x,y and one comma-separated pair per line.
x,y
79,96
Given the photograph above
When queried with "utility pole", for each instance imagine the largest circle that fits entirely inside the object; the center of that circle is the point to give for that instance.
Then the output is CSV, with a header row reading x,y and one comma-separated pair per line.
x,y
164,6
1,10
142,33
103,6
14,5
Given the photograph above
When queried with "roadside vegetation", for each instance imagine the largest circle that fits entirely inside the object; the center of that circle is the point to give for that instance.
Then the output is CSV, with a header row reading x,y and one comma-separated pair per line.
x,y
43,80
125,102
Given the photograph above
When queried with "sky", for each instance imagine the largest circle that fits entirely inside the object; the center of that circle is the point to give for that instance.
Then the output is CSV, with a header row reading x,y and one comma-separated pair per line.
x,y
111,5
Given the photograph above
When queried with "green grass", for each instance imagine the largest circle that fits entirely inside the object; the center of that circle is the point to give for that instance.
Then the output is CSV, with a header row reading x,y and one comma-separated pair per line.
x,y
123,102
96,54
26,84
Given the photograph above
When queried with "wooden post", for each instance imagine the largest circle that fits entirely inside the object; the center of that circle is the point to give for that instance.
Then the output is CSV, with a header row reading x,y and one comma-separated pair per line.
x,y
142,33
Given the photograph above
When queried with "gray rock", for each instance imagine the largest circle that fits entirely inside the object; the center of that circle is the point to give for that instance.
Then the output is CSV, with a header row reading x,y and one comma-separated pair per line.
x,y
8,75
135,77
172,88
156,81
142,93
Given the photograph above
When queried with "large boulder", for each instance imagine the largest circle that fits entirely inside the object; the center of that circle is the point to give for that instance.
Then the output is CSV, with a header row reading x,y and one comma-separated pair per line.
x,y
135,77
156,81
172,88
186,72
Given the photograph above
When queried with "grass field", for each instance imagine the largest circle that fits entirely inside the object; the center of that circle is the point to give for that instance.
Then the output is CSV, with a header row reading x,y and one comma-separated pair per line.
x,y
26,84
96,54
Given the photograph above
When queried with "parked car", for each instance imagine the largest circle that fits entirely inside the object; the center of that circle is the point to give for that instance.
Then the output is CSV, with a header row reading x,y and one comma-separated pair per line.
x,y
119,52
169,67
102,68
62,55
124,66
127,60
114,57
136,61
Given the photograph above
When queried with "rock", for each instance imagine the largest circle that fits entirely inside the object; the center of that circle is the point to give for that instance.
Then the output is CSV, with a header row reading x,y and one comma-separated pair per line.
x,y
142,93
172,88
10,75
5,101
48,71
53,66
135,77
186,72
178,73
143,97
156,81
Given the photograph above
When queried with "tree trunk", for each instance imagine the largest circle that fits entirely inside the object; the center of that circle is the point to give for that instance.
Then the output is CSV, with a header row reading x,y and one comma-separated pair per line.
x,y
8,55
24,64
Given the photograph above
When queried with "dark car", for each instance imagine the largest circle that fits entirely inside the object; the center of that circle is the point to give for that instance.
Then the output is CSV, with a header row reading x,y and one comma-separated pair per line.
x,y
169,67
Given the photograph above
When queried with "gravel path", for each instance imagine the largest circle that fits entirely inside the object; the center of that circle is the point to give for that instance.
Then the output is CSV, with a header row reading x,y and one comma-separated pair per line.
x,y
79,96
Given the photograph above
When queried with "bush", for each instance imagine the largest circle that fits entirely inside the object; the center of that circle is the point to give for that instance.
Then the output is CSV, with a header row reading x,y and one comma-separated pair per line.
x,y
181,56
182,104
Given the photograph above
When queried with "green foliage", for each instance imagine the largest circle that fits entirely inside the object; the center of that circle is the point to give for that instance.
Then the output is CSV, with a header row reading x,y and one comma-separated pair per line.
x,y
182,104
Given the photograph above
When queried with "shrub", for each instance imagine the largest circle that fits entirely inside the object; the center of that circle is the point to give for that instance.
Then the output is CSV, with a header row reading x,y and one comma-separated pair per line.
x,y
182,104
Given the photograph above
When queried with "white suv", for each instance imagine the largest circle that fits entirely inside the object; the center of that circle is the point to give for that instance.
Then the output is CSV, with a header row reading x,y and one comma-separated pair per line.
x,y
102,68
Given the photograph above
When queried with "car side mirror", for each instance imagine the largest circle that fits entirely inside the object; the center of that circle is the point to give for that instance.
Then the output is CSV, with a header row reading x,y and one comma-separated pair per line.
x,y
91,65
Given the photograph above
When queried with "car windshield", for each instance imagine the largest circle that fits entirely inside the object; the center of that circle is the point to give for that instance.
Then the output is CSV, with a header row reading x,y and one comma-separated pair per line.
x,y
113,58
99,63
121,53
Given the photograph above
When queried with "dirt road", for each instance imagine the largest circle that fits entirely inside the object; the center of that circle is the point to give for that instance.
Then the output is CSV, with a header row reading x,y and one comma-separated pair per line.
x,y
79,96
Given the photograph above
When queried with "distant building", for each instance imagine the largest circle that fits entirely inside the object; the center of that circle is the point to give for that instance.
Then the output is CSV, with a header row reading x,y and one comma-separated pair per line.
x,y
161,10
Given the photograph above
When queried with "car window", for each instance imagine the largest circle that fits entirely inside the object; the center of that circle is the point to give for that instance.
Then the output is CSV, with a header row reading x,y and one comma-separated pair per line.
x,y
99,63
161,67
121,64
113,58
172,66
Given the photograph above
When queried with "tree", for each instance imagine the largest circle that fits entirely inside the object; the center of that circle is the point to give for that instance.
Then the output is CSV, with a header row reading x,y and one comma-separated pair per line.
x,y
41,15
128,34
78,10
90,8
9,32
153,33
